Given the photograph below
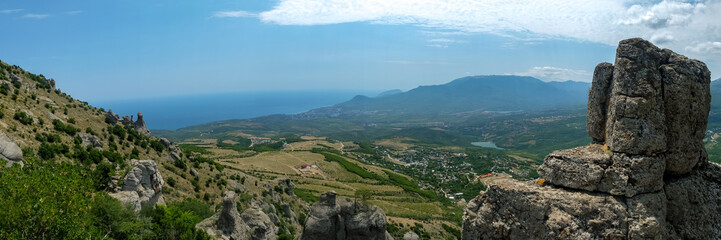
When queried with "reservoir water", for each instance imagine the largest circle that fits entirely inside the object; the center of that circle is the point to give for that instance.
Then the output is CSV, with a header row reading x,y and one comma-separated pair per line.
x,y
486,145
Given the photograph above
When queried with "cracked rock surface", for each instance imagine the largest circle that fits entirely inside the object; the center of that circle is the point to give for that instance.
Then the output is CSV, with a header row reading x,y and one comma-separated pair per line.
x,y
645,176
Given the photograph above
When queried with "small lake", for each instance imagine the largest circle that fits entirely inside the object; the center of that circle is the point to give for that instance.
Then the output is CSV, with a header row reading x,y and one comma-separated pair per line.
x,y
486,145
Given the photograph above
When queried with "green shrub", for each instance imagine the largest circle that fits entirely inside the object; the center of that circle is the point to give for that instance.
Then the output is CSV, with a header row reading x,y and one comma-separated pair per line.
x,y
171,181
23,118
47,202
66,128
103,174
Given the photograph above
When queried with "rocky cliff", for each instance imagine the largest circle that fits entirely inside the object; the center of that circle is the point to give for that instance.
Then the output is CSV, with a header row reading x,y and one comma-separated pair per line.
x,y
646,176
252,223
332,218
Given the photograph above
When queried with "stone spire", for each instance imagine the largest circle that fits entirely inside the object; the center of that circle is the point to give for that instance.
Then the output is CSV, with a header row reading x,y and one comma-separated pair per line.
x,y
645,175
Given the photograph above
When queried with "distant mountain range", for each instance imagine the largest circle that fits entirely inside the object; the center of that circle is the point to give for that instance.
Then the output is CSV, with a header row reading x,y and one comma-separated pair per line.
x,y
465,95
513,111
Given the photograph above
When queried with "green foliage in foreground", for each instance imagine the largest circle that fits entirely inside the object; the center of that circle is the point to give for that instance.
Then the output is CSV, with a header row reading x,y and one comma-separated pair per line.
x,y
47,202
59,201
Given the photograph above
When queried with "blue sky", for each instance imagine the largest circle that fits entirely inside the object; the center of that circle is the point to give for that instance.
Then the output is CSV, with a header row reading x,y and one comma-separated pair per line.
x,y
103,50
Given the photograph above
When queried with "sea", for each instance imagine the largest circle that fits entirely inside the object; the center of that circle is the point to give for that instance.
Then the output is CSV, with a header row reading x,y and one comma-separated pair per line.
x,y
182,111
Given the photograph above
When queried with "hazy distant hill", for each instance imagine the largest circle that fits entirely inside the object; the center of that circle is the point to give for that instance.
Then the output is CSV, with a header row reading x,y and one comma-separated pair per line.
x,y
513,111
389,92
468,94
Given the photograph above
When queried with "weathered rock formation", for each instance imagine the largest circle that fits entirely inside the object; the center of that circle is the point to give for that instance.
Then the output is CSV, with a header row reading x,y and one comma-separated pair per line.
x,y
90,140
142,185
646,176
286,185
252,223
111,117
139,125
342,218
10,151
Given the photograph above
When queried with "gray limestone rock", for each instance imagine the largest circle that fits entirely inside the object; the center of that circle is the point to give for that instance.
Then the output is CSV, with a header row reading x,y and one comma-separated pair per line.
x,y
90,140
340,219
659,104
261,225
111,117
517,210
694,204
598,102
411,236
648,176
252,223
286,185
686,84
139,125
10,151
591,168
143,180
229,221
166,143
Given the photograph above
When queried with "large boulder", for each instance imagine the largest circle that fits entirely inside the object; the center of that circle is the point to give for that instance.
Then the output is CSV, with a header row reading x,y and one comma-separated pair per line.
x,y
141,185
591,168
111,117
523,210
260,224
342,218
10,151
658,104
252,223
645,176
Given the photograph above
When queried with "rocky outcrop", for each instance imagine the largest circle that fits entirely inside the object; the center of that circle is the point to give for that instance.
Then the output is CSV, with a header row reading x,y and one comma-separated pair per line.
x,y
342,218
111,117
9,151
252,223
260,224
139,125
646,174
90,140
411,236
142,185
286,185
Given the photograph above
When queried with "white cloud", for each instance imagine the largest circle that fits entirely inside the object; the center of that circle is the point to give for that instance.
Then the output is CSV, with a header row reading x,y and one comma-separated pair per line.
x,y
674,24
706,47
557,74
10,10
407,62
74,12
234,14
36,16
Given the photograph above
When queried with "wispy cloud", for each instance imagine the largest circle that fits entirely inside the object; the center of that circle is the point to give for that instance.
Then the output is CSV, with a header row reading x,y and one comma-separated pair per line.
x,y
408,62
10,10
36,16
234,14
74,12
670,23
443,42
557,74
